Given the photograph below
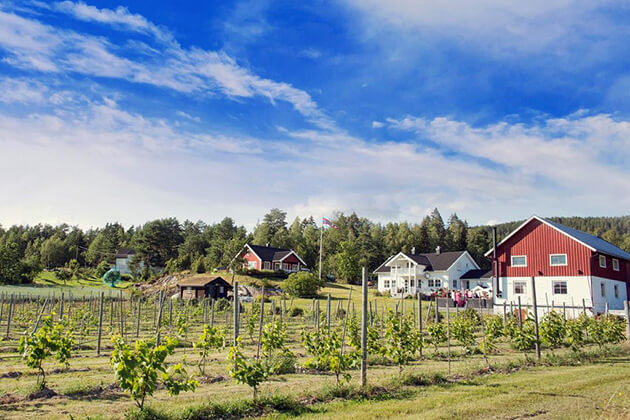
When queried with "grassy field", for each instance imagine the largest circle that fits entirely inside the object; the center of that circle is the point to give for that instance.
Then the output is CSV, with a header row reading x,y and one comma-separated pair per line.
x,y
594,386
47,284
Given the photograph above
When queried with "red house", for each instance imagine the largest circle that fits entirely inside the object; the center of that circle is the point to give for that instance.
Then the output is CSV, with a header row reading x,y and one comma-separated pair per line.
x,y
568,266
267,258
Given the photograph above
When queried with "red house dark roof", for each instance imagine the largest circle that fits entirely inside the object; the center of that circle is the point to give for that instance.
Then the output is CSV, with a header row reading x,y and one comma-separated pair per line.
x,y
267,253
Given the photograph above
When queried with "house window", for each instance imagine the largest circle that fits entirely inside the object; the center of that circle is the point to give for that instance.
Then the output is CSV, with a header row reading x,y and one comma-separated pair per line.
x,y
276,266
616,292
602,261
221,289
251,264
602,288
454,284
285,266
615,264
519,287
267,265
386,283
435,282
559,287
557,259
519,260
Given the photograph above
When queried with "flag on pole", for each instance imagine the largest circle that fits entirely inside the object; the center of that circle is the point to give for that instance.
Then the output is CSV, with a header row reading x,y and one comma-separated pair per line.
x,y
329,223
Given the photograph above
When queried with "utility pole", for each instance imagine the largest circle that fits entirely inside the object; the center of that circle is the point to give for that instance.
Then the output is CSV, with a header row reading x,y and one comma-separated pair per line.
x,y
321,242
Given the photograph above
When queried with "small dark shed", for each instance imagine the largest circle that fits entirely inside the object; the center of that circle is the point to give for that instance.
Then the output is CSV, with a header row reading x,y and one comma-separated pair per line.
x,y
201,287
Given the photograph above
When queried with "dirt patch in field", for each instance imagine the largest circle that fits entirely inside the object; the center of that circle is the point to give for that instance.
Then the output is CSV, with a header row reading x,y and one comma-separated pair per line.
x,y
70,370
212,379
10,375
529,415
44,393
111,391
9,399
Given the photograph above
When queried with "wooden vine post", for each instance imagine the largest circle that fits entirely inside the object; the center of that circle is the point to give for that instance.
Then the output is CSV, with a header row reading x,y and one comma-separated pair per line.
x,y
364,316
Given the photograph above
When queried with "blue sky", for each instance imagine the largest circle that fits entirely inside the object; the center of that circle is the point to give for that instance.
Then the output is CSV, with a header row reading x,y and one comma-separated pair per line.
x,y
492,109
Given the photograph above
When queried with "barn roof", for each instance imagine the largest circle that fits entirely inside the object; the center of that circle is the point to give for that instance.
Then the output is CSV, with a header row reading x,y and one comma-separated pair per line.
x,y
200,281
595,243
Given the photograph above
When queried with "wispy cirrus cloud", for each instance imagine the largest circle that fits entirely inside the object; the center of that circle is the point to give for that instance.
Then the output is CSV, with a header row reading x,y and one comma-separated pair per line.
x,y
33,45
121,17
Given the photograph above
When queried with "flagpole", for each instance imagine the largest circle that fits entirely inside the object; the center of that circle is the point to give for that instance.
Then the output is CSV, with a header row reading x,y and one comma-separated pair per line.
x,y
321,238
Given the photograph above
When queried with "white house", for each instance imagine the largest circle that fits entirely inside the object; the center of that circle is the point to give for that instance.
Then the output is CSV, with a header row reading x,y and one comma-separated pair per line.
x,y
123,259
410,273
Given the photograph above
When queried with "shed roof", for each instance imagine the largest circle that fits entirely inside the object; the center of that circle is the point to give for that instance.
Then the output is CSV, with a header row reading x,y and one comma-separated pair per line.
x,y
200,281
125,252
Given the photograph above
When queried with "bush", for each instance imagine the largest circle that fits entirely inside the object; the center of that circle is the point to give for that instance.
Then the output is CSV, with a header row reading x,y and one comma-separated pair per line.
x,y
198,266
102,268
296,312
126,277
302,284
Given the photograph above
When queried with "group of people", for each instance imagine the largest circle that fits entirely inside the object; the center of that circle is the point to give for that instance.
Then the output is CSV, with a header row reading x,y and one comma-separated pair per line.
x,y
461,296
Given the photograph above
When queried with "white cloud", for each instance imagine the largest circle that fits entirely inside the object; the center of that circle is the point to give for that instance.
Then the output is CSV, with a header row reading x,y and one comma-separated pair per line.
x,y
311,53
119,16
187,116
149,167
35,46
377,124
21,91
497,26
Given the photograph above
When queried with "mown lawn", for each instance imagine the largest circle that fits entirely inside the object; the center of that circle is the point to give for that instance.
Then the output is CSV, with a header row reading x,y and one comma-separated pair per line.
x,y
567,392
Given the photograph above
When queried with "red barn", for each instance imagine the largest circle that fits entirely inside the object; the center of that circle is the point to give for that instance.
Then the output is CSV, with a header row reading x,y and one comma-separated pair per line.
x,y
267,258
568,265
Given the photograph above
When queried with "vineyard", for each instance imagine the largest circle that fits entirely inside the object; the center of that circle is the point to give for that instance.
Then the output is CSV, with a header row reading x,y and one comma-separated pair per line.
x,y
112,355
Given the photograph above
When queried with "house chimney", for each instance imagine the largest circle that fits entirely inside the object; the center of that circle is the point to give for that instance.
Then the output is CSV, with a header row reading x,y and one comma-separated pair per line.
x,y
413,250
268,244
438,250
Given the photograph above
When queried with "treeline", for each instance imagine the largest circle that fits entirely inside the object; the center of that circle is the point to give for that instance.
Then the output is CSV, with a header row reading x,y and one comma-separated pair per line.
x,y
354,243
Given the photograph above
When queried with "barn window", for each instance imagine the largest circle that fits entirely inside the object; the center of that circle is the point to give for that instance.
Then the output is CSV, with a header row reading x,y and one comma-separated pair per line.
x,y
519,287
559,287
602,288
519,260
602,261
557,259
615,264
221,289
616,292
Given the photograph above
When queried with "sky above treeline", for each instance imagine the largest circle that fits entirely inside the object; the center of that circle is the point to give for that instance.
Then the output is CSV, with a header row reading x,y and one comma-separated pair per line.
x,y
493,109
